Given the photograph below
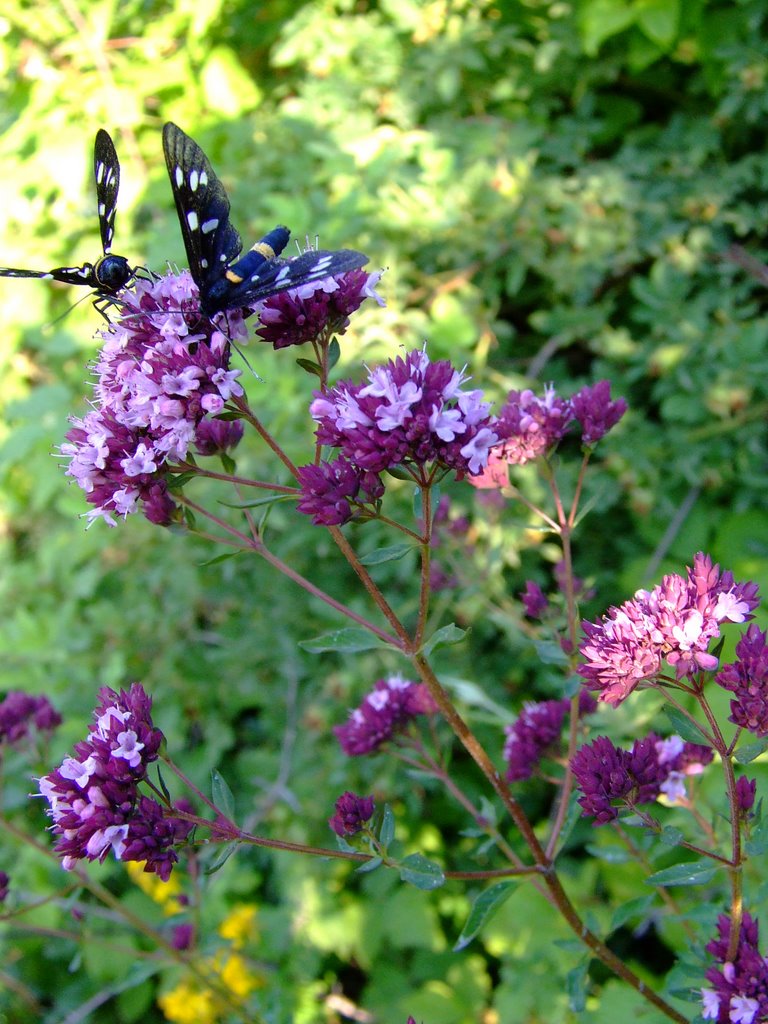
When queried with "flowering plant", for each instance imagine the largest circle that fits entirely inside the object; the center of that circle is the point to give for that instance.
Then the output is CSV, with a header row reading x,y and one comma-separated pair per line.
x,y
167,399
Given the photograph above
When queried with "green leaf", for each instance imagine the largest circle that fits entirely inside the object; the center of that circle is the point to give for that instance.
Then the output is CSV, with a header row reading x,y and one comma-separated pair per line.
x,y
388,554
176,481
550,653
418,504
659,21
270,499
221,857
671,836
222,794
610,854
345,641
221,558
601,19
749,751
576,986
683,726
757,844
387,830
369,865
228,87
334,352
483,909
423,873
631,909
310,366
445,637
697,872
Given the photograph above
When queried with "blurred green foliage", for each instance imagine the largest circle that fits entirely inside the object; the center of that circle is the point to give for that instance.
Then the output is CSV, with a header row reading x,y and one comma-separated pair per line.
x,y
553,188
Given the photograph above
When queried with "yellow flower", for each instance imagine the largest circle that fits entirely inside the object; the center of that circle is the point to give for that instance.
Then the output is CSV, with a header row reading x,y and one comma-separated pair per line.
x,y
238,978
240,925
187,1005
161,892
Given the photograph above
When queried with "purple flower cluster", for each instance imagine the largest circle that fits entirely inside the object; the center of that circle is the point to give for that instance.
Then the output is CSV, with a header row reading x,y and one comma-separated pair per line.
x,y
538,727
20,711
95,803
315,311
739,993
675,621
747,678
352,812
386,710
161,371
610,777
412,415
530,426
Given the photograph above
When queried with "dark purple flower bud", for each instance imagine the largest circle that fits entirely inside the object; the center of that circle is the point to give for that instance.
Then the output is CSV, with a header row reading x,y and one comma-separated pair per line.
x,y
593,408
4,886
747,678
158,506
745,793
150,837
327,492
352,812
391,705
587,703
183,936
215,436
645,770
439,579
534,599
19,711
538,727
316,310
602,774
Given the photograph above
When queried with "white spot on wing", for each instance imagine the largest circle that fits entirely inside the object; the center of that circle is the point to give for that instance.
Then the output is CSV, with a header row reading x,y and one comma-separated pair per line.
x,y
203,178
209,226
179,176
99,172
194,179
192,220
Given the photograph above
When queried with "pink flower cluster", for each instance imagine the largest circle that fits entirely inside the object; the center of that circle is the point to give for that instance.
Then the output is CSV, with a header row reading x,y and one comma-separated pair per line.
x,y
94,799
161,372
413,415
529,427
676,621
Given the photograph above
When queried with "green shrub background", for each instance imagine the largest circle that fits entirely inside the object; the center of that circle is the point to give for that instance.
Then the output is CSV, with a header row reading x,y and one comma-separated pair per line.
x,y
553,188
